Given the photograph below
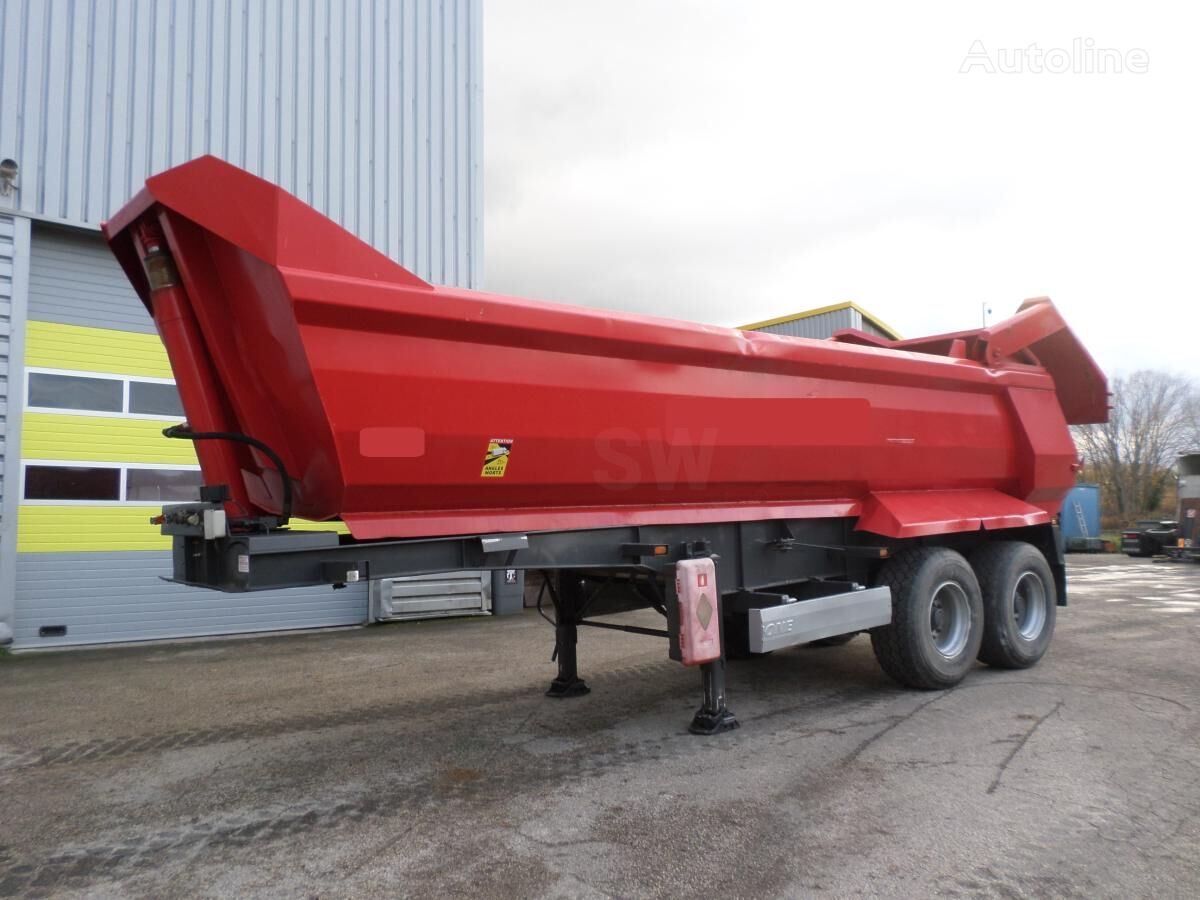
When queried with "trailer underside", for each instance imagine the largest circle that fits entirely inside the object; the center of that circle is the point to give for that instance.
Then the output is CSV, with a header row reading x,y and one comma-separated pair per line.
x,y
779,582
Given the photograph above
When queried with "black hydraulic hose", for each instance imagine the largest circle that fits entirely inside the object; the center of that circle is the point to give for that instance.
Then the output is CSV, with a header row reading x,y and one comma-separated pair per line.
x,y
185,433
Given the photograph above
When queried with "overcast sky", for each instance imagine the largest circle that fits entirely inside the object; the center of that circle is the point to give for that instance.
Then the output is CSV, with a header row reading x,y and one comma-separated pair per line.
x,y
734,161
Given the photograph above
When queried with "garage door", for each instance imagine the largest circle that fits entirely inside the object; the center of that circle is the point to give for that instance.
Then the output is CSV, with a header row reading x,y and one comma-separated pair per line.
x,y
94,466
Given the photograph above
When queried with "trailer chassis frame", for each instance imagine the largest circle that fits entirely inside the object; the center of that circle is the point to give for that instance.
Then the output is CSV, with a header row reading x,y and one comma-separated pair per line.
x,y
822,566
753,557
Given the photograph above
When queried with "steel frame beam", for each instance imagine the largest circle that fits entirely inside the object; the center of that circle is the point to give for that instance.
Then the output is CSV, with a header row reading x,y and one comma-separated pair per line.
x,y
753,555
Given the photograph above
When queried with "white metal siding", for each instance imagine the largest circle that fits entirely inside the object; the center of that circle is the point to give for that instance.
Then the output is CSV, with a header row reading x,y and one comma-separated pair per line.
x,y
370,110
820,326
75,280
868,326
14,291
108,597
7,266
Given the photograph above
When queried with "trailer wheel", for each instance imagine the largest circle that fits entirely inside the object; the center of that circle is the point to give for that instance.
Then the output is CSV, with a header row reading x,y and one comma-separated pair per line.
x,y
937,619
1019,603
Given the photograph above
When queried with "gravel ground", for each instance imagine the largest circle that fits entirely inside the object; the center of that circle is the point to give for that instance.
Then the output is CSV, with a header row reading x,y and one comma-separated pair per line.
x,y
421,760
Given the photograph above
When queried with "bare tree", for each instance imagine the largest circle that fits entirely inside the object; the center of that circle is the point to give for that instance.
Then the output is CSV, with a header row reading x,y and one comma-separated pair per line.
x,y
1132,454
1192,417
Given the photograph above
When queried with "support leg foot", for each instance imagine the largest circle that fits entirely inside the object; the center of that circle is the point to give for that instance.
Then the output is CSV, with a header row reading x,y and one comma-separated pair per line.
x,y
561,688
706,722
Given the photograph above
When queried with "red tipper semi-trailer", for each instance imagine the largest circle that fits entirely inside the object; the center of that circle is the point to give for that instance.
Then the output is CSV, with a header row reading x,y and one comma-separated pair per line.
x,y
758,491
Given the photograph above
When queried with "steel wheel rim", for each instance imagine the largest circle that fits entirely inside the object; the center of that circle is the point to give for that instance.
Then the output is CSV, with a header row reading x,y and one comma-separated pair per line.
x,y
1029,605
950,619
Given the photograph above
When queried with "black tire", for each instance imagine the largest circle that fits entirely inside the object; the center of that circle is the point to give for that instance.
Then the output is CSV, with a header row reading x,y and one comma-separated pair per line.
x,y
1019,603
930,646
836,641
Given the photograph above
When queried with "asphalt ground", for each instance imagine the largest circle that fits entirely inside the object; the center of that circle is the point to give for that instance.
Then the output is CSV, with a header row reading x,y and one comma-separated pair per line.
x,y
421,760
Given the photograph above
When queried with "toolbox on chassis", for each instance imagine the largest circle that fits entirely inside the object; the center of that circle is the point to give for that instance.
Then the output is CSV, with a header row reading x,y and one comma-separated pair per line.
x,y
758,491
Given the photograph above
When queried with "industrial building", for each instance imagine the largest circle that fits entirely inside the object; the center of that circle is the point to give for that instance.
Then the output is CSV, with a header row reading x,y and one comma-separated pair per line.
x,y
822,322
369,112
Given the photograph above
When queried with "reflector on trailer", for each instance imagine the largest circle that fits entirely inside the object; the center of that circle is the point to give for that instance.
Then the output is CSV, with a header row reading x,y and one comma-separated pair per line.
x,y
699,613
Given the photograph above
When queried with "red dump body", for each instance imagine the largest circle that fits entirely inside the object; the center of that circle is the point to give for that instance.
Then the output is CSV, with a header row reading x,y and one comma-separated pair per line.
x,y
411,410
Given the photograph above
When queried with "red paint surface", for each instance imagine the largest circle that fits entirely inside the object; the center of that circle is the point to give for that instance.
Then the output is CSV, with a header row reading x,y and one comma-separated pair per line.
x,y
381,393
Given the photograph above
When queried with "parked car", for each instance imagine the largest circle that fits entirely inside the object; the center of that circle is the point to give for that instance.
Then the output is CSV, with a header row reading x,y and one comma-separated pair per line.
x,y
1148,537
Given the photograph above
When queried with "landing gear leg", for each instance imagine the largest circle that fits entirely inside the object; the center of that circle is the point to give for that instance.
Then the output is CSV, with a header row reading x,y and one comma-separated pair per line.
x,y
697,631
567,600
714,716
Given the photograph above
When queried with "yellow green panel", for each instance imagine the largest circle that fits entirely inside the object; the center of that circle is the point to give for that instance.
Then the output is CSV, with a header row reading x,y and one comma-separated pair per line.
x,y
101,439
62,529
83,349
309,525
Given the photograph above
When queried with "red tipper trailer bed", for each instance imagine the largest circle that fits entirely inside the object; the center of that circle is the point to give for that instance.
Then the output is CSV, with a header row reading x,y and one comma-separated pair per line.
x,y
449,427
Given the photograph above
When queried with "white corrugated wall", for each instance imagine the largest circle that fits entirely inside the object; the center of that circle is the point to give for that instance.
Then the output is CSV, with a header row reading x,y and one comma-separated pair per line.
x,y
75,280
99,598
819,326
370,110
8,228
14,285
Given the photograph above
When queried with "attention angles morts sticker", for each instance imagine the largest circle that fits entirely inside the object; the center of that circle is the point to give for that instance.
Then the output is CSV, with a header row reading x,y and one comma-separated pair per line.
x,y
495,462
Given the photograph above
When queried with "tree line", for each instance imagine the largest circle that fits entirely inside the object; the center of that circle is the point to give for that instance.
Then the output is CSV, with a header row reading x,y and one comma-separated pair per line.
x,y
1155,417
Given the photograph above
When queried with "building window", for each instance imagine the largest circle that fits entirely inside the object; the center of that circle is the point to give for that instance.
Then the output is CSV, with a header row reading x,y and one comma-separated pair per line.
x,y
162,485
66,483
107,395
154,399
72,483
76,392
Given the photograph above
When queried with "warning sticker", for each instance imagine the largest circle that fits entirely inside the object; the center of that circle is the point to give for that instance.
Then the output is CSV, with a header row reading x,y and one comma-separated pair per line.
x,y
496,461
